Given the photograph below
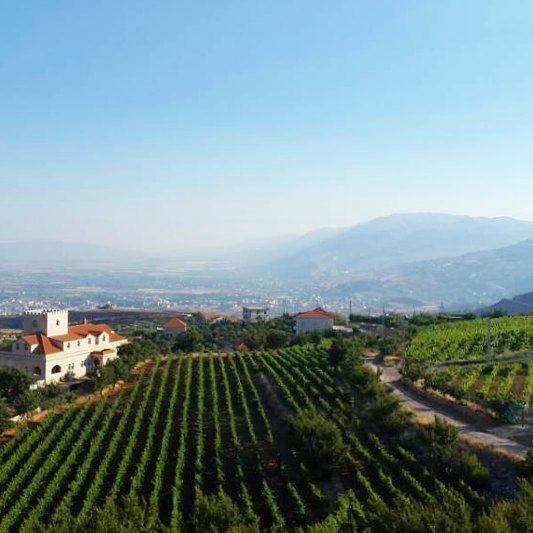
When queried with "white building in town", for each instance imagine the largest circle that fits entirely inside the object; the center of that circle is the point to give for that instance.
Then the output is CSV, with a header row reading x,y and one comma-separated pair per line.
x,y
174,327
315,320
51,349
255,314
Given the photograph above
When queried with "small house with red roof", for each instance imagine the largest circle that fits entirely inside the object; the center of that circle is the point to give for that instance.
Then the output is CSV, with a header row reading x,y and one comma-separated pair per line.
x,y
317,319
174,326
52,350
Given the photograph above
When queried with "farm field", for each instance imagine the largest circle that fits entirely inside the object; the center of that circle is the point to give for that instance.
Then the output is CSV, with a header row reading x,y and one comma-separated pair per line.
x,y
202,424
469,339
487,384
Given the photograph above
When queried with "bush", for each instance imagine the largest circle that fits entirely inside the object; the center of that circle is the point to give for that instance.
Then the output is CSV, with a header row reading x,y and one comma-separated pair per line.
x,y
343,350
527,466
14,382
468,467
5,415
217,513
439,435
277,338
317,440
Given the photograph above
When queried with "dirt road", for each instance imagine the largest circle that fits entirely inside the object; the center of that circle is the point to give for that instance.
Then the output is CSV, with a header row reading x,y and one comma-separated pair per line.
x,y
498,437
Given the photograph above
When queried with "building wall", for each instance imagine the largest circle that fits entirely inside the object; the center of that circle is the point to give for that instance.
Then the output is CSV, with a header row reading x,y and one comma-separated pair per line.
x,y
254,315
78,361
51,323
308,325
21,347
24,362
173,332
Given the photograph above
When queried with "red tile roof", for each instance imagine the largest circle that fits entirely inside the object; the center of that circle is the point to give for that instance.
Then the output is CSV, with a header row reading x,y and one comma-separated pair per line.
x,y
45,344
79,331
103,352
175,323
318,312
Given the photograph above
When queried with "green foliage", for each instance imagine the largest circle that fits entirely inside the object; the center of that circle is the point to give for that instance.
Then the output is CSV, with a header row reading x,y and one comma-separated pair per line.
x,y
510,516
439,435
527,466
317,440
277,338
5,415
189,341
217,513
13,382
345,352
468,339
172,435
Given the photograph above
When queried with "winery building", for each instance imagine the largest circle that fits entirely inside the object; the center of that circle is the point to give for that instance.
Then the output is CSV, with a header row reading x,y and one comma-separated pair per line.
x,y
52,350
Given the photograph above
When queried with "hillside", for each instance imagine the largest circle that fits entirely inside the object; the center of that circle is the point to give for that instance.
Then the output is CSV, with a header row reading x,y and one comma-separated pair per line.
x,y
520,304
221,425
465,281
398,239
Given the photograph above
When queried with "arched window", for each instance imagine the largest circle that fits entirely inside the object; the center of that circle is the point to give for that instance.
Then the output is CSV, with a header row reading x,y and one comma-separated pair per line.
x,y
89,340
103,338
56,369
37,370
57,322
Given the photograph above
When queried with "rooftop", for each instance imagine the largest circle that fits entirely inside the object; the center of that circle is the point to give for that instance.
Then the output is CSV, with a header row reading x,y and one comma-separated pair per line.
x,y
318,312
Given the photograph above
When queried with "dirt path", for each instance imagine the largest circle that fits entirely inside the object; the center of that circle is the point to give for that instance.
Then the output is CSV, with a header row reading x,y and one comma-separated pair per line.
x,y
498,437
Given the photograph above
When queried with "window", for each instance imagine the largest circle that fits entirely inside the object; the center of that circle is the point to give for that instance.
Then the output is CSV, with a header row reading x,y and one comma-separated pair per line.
x,y
56,369
17,346
82,363
103,337
68,344
57,322
79,343
89,340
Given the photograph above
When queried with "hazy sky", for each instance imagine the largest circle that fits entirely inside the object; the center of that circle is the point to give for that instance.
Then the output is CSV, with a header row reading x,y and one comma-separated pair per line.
x,y
176,125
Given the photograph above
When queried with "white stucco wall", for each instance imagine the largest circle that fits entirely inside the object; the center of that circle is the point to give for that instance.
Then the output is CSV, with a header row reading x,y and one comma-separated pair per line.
x,y
78,360
173,332
308,325
51,322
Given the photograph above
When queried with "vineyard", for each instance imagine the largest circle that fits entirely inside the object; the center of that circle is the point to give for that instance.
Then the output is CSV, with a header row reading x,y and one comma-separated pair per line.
x,y
202,424
471,339
501,387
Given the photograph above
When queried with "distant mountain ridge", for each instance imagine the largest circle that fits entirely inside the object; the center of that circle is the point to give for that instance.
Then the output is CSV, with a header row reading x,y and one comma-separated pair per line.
x,y
398,239
467,281
521,304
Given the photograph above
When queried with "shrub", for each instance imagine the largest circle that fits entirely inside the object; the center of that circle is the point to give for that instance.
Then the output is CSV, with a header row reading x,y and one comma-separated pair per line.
x,y
5,415
317,440
217,513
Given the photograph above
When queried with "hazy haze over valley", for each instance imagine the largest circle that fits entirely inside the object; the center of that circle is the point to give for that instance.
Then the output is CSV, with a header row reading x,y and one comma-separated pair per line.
x,y
403,261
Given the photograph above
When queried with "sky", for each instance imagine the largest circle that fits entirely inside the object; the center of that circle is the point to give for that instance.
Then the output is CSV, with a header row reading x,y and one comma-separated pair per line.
x,y
177,126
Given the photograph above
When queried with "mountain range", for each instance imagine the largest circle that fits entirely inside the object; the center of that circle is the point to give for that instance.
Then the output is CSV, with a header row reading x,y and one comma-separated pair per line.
x,y
402,260
398,239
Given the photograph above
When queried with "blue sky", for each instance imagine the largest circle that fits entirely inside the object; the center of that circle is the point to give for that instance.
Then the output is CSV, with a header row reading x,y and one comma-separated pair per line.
x,y
181,125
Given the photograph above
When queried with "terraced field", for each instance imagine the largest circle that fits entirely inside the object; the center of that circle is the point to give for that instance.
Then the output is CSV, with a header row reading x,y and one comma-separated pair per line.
x,y
202,424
